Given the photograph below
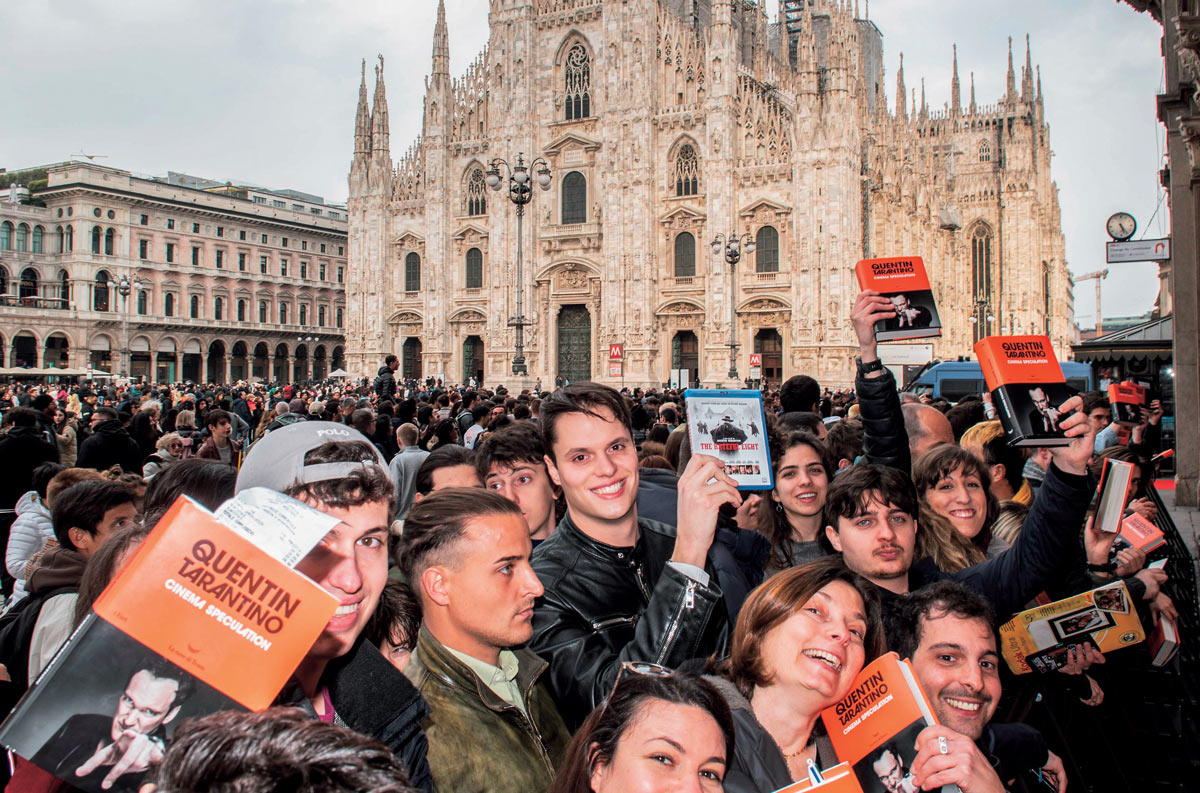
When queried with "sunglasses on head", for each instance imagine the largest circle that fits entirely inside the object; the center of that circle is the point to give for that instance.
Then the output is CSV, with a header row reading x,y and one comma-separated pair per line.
x,y
640,668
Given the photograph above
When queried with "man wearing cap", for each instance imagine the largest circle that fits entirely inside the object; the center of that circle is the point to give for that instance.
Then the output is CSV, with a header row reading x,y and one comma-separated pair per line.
x,y
344,679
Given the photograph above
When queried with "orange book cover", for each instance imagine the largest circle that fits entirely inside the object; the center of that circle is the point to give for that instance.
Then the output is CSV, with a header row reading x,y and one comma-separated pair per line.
x,y
213,603
903,280
1137,532
1126,400
1027,386
838,779
874,728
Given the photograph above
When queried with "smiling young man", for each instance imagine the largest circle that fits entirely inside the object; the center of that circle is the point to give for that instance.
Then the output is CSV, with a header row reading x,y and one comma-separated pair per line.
x,y
619,588
948,634
343,679
492,726
870,516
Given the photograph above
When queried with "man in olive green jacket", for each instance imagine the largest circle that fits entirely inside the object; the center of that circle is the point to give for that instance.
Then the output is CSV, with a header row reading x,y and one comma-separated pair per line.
x,y
492,726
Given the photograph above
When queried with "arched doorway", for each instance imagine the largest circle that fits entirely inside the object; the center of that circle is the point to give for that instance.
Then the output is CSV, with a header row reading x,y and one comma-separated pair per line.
x,y
574,343
339,358
58,352
237,367
320,369
769,344
410,359
472,359
216,362
279,372
261,357
25,350
166,369
192,360
300,367
99,353
139,357
685,354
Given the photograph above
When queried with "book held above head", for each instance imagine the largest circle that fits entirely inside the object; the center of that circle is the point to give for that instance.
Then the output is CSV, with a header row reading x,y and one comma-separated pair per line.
x,y
904,282
1126,400
1027,386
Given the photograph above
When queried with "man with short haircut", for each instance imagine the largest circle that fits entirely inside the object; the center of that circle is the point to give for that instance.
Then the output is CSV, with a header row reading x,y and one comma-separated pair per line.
x,y
385,381
482,414
845,443
927,428
1098,410
109,444
465,417
219,445
47,410
446,466
404,466
84,516
799,394
619,588
492,726
512,462
343,678
948,633
114,751
870,516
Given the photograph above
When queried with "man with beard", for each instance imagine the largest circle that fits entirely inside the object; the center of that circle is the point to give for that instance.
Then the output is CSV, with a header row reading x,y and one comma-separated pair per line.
x,y
948,634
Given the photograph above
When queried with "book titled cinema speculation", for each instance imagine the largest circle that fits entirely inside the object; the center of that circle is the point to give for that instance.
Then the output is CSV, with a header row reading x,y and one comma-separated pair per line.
x,y
1027,386
1126,400
903,280
203,618
1040,639
874,728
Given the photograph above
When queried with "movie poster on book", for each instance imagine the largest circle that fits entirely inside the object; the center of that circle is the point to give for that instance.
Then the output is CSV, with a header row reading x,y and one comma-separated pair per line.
x,y
730,425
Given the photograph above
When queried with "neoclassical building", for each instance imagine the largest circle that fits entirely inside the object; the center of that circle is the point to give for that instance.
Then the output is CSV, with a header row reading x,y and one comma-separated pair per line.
x,y
664,124
223,282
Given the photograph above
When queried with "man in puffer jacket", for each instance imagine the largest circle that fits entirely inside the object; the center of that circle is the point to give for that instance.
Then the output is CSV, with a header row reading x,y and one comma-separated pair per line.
x,y
31,529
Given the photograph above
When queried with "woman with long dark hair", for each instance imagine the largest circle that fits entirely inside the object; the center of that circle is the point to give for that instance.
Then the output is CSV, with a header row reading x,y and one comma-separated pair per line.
x,y
791,515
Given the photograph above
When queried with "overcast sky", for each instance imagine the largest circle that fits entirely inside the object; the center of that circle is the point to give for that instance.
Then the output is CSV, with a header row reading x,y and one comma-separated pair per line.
x,y
264,91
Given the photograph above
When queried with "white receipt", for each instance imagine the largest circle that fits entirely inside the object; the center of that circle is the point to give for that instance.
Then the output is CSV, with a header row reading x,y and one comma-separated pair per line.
x,y
281,526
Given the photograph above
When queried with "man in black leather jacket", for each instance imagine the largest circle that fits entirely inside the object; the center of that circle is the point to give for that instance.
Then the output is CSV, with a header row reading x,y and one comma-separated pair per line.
x,y
619,588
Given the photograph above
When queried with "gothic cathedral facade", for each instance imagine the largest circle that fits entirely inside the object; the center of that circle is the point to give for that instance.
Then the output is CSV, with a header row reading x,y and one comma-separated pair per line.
x,y
666,124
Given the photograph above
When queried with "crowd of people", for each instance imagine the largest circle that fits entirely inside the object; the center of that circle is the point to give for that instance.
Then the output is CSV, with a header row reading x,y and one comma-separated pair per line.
x,y
551,591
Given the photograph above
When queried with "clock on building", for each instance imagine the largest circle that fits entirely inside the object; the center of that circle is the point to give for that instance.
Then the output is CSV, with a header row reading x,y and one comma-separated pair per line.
x,y
1121,226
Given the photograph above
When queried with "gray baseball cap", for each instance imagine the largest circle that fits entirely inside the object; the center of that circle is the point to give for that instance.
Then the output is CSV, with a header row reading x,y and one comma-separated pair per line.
x,y
277,461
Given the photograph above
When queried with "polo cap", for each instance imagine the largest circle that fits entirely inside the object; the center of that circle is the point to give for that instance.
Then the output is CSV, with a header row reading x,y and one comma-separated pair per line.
x,y
277,461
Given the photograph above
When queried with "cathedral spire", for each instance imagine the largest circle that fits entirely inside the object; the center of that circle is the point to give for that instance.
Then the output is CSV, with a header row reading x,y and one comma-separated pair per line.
x,y
901,96
924,107
1011,93
362,119
441,43
380,134
1039,84
955,91
1027,75
972,93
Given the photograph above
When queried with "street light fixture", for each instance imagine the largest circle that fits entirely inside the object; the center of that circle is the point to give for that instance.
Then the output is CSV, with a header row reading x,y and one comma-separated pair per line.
x,y
520,192
124,287
733,245
982,313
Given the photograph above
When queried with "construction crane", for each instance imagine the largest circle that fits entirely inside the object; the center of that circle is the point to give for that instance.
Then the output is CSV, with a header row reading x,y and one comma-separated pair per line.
x,y
1097,276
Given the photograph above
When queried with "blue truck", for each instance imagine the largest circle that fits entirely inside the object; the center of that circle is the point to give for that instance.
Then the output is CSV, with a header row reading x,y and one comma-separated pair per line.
x,y
956,379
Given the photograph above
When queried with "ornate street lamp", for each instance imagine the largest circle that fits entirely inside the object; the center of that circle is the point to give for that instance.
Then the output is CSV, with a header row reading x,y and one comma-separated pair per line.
x,y
733,245
982,317
520,192
124,287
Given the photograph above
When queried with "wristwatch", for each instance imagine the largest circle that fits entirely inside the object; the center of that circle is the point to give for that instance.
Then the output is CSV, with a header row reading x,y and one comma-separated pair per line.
x,y
871,366
1108,567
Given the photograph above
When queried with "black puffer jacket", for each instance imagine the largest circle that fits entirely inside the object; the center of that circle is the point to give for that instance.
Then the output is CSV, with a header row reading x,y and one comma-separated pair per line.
x,y
884,439
604,606
110,445
385,383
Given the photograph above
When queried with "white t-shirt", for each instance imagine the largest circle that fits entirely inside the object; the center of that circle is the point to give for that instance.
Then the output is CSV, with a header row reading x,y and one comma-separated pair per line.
x,y
472,435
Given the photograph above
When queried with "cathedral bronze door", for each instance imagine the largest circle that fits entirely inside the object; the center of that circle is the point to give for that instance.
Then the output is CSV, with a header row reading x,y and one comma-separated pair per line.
x,y
574,343
685,354
769,344
410,360
473,359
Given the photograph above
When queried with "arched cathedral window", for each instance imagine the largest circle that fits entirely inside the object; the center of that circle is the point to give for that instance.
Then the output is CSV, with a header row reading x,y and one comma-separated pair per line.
x,y
766,250
981,275
685,255
476,194
985,151
578,76
687,171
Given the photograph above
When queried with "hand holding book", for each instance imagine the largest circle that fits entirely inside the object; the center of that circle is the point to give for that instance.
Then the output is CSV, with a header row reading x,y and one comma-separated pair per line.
x,y
1073,459
870,307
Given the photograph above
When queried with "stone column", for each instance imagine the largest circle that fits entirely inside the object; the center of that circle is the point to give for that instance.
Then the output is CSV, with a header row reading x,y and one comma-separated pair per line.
x,y
228,362
291,369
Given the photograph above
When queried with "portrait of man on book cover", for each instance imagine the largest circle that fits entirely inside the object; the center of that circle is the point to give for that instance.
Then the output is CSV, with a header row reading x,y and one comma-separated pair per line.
x,y
910,313
888,769
1044,417
111,751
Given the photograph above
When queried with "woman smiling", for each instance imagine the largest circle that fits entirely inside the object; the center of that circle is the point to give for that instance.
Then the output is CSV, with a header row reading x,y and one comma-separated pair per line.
x,y
800,640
